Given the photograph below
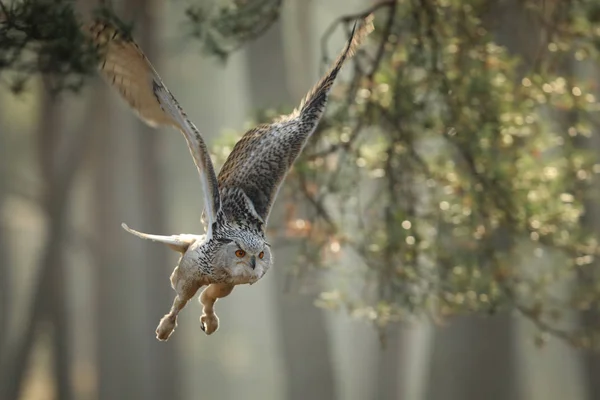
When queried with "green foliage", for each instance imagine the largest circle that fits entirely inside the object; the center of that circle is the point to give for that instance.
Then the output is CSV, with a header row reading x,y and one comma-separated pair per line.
x,y
225,29
47,37
43,37
477,164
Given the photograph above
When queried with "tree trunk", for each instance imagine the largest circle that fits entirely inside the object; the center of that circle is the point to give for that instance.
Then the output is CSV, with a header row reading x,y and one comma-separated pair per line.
x,y
162,366
119,356
590,70
49,303
472,360
5,275
556,371
57,214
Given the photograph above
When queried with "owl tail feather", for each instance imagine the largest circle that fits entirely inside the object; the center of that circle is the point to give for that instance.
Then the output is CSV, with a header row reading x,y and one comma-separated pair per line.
x,y
312,106
178,243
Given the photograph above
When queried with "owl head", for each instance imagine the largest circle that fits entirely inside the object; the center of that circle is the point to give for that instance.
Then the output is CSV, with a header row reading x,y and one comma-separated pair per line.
x,y
244,256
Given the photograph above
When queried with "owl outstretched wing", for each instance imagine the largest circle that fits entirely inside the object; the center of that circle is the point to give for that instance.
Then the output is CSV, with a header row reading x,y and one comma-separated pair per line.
x,y
178,243
262,158
125,67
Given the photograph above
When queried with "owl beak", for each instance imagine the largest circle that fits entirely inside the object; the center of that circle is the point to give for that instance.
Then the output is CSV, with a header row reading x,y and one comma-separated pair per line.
x,y
253,262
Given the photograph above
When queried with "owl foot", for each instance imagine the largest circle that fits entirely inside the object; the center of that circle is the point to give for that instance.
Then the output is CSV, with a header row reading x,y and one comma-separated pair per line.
x,y
166,327
169,321
209,323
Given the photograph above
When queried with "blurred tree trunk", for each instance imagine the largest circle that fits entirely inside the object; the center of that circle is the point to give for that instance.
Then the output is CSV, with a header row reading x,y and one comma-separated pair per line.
x,y
555,372
591,218
480,349
117,371
49,156
303,329
126,164
389,366
589,70
592,317
58,166
5,275
472,360
161,364
5,283
404,362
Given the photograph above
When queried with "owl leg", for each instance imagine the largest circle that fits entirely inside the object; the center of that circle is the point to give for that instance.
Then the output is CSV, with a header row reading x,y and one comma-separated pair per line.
x,y
186,289
209,322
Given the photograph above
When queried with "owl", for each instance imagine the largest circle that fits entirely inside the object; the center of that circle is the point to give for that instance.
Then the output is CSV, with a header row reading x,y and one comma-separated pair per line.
x,y
234,249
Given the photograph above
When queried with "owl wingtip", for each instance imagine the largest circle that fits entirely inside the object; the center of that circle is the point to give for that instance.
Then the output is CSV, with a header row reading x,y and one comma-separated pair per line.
x,y
129,230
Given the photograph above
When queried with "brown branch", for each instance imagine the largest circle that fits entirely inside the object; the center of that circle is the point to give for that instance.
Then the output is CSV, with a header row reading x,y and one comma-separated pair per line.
x,y
375,65
387,30
339,145
346,19
316,203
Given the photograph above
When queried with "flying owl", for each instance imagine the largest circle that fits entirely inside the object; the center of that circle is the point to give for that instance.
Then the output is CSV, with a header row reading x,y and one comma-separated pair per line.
x,y
234,249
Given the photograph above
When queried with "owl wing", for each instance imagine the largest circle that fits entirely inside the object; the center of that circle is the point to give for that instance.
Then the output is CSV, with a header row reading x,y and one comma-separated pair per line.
x,y
178,243
125,67
258,164
262,158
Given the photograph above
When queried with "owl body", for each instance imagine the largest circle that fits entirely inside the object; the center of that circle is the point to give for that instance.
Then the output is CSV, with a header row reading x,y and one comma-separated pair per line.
x,y
214,261
238,201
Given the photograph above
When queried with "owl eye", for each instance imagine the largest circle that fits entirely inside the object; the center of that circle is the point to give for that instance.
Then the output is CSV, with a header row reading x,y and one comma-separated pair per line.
x,y
240,253
261,255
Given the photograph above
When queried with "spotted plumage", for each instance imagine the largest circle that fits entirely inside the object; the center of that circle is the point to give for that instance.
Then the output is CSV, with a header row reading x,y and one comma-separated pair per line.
x,y
237,203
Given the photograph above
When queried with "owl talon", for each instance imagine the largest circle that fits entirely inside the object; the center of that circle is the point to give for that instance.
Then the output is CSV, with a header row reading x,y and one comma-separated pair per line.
x,y
209,323
166,327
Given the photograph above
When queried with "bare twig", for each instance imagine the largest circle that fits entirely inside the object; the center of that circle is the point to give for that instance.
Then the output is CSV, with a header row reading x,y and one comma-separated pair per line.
x,y
317,203
387,29
346,19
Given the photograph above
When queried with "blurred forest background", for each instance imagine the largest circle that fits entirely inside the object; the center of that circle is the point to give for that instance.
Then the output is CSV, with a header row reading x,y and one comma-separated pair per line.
x,y
446,208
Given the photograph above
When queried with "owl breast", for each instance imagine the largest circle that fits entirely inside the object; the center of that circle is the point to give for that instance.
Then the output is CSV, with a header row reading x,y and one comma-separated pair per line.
x,y
237,275
241,275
